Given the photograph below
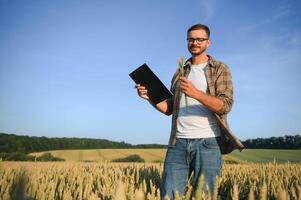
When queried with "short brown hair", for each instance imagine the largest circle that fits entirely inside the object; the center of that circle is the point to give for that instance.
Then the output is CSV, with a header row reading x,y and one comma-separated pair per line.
x,y
198,27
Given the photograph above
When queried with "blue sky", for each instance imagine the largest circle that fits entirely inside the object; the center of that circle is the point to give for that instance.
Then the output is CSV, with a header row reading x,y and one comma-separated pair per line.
x,y
64,65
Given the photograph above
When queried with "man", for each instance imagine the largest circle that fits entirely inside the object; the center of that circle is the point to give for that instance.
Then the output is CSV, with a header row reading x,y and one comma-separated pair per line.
x,y
200,133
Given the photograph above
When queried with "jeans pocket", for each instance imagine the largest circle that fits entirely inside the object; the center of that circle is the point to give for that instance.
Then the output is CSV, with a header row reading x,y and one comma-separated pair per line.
x,y
180,142
211,143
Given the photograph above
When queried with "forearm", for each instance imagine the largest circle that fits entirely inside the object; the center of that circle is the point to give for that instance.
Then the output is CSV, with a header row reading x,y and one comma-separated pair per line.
x,y
163,107
213,103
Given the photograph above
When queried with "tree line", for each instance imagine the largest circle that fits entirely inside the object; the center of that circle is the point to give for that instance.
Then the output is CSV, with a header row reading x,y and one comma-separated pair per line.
x,y
285,142
10,143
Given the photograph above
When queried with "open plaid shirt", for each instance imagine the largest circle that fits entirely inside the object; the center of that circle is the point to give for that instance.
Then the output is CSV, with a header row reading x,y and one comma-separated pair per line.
x,y
220,85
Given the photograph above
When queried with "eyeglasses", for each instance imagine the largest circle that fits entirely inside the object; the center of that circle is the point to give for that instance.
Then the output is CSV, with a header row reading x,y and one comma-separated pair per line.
x,y
198,40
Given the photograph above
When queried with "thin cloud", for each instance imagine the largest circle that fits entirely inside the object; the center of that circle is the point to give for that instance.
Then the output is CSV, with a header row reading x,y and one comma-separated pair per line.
x,y
295,39
208,6
266,71
281,12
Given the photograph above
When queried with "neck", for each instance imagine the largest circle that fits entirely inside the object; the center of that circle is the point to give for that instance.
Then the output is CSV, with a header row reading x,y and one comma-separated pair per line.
x,y
198,59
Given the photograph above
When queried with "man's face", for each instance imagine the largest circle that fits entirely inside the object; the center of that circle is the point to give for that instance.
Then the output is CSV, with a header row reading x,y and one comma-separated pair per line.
x,y
198,42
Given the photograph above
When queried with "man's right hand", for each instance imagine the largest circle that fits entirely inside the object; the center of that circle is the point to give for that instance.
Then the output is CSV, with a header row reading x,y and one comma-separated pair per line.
x,y
142,92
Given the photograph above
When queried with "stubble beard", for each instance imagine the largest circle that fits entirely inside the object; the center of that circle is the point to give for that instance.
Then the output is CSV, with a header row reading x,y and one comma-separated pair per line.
x,y
197,53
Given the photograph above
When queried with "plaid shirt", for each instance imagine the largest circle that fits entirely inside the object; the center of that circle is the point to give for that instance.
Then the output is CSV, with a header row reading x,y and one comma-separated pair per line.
x,y
220,85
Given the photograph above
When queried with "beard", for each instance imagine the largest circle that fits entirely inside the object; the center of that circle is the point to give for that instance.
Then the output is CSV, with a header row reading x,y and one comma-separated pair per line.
x,y
196,51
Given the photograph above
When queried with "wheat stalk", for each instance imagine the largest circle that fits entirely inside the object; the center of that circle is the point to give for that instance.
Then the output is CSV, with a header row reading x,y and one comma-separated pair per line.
x,y
182,73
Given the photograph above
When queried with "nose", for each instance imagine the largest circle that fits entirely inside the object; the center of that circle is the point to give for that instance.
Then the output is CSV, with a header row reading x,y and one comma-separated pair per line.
x,y
194,42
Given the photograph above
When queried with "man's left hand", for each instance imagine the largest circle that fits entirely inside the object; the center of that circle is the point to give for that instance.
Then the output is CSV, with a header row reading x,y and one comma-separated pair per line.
x,y
188,88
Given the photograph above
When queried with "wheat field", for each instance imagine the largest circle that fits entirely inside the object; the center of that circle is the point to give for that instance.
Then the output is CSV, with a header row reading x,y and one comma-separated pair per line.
x,y
149,155
158,155
121,181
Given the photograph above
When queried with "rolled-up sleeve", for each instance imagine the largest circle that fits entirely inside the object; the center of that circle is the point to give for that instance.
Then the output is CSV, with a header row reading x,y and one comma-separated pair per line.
x,y
224,90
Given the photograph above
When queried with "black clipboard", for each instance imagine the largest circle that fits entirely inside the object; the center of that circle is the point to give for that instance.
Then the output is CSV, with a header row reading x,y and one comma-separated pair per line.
x,y
157,91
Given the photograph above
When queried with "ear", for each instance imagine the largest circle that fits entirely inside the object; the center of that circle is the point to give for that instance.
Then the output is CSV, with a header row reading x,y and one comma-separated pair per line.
x,y
208,43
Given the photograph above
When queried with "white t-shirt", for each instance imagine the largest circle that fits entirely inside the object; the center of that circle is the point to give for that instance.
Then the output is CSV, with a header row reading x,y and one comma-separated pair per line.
x,y
196,121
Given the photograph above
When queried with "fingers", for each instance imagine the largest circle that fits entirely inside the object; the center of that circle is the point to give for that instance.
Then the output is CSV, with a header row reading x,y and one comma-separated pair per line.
x,y
183,79
141,90
184,87
140,87
184,90
185,83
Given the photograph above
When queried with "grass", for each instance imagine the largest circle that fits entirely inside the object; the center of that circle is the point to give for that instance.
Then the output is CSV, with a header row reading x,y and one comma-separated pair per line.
x,y
268,155
157,155
149,155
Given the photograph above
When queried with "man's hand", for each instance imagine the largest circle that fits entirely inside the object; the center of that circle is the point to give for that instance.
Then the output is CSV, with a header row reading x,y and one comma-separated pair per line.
x,y
142,91
213,103
188,88
162,106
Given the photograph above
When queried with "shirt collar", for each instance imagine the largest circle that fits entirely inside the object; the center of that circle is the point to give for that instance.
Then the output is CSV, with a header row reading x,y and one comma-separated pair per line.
x,y
211,61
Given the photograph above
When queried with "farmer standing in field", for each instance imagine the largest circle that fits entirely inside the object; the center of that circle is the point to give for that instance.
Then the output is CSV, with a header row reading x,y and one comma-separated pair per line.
x,y
203,96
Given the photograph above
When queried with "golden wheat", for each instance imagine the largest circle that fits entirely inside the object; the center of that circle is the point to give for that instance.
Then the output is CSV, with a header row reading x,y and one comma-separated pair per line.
x,y
110,181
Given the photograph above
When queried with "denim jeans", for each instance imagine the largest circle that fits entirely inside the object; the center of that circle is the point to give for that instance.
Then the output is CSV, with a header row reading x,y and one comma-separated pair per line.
x,y
202,156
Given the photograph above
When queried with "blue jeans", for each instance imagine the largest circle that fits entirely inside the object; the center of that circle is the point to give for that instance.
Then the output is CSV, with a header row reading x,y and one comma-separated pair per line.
x,y
202,156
